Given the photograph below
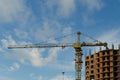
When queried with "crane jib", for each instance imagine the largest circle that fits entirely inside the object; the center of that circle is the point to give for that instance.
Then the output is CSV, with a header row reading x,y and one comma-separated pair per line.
x,y
39,46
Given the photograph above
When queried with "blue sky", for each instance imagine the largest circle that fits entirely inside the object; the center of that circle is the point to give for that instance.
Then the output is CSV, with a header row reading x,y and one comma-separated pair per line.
x,y
48,21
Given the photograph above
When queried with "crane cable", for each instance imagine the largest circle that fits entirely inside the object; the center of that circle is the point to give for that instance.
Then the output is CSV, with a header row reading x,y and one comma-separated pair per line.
x,y
58,38
95,40
64,36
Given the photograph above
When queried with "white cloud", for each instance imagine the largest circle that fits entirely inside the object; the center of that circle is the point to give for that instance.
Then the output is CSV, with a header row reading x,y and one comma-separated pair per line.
x,y
10,9
9,40
5,78
32,74
87,20
20,33
15,66
67,30
37,60
60,77
40,78
15,11
50,32
111,37
34,56
67,66
52,54
61,8
92,5
47,31
66,7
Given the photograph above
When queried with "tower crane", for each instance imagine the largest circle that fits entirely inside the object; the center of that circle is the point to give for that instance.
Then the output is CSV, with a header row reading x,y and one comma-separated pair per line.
x,y
77,46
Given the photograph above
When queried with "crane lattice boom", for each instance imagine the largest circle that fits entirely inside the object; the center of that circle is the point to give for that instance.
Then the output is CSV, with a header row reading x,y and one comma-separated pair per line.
x,y
56,45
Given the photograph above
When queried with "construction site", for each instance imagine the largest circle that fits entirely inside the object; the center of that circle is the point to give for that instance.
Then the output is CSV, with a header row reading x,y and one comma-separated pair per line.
x,y
59,39
103,65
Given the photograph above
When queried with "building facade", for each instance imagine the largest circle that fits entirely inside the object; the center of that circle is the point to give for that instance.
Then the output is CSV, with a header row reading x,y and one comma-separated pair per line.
x,y
104,65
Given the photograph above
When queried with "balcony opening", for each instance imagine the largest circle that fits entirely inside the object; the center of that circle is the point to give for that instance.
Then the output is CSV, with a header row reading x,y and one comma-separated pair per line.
x,y
98,55
87,67
104,75
91,56
108,74
108,63
87,63
98,60
108,53
98,70
92,66
103,53
87,73
98,75
103,69
103,58
116,78
98,65
108,58
92,61
103,64
108,69
115,68
92,71
87,57
115,57
115,63
115,52
115,74
92,77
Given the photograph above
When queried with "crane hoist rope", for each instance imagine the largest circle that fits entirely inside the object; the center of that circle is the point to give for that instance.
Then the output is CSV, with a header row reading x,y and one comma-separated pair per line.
x,y
78,51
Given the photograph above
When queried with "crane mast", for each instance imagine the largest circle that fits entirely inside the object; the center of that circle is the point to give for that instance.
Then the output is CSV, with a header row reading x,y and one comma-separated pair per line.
x,y
78,51
78,58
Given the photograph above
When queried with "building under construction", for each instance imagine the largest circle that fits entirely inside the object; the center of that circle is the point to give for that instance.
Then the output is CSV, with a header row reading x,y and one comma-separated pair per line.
x,y
104,65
